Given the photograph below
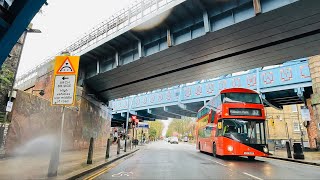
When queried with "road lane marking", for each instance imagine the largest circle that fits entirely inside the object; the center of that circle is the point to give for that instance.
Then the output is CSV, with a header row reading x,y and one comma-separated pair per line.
x,y
255,177
217,162
207,159
120,174
100,172
106,169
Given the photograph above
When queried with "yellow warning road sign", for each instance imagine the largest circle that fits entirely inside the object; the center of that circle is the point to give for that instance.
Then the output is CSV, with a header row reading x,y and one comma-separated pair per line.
x,y
66,65
65,80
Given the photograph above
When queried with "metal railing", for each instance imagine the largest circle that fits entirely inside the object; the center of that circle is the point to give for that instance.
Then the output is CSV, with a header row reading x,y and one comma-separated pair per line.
x,y
119,21
122,19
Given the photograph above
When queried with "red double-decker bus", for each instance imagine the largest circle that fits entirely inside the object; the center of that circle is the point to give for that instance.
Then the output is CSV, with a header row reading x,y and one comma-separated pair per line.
x,y
233,124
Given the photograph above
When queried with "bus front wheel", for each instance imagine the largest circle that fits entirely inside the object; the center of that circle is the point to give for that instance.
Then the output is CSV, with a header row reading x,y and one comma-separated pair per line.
x,y
251,158
214,150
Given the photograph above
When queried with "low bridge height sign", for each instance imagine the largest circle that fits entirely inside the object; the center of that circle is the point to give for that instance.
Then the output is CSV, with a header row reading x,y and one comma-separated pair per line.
x,y
65,80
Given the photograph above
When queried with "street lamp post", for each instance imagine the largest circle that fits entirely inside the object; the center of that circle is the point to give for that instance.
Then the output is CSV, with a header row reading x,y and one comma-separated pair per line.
x,y
29,30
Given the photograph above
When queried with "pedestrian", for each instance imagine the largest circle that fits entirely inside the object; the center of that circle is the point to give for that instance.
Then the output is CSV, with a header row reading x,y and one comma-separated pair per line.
x,y
144,138
115,137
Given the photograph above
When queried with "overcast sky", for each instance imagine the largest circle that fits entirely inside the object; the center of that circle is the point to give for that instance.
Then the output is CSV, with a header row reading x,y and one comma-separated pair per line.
x,y
61,23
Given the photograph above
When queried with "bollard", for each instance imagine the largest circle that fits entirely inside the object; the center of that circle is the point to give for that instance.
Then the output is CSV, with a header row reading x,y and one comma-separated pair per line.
x,y
90,152
125,144
54,161
288,149
130,144
118,148
136,141
297,151
108,149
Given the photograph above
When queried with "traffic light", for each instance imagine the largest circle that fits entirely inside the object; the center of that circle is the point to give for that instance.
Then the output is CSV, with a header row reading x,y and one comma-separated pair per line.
x,y
134,120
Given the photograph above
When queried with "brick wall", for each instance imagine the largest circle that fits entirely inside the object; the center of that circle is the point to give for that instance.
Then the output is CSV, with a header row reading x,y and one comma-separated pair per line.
x,y
314,65
33,117
312,126
281,123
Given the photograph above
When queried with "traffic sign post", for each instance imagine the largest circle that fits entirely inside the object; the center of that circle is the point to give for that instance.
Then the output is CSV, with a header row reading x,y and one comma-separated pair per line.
x,y
65,80
63,94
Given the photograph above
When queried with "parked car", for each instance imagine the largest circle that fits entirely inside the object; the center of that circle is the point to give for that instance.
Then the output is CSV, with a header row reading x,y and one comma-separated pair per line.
x,y
174,140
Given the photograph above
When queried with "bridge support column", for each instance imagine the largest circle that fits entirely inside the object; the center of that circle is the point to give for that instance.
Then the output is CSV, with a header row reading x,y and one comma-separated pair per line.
x,y
140,49
117,58
169,38
98,66
257,7
314,102
206,21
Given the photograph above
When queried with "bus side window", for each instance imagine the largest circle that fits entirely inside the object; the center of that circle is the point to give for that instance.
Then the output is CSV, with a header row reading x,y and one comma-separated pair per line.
x,y
219,131
208,131
201,133
213,131
212,116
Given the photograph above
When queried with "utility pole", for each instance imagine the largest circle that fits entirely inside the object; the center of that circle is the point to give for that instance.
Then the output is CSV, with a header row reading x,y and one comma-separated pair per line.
x,y
24,35
300,127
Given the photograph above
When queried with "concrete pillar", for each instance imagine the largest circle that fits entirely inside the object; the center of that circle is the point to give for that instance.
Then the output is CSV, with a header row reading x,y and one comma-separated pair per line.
x,y
314,65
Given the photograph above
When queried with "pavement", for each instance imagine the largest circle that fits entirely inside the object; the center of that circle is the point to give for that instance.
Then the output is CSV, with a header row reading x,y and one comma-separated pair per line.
x,y
71,164
312,157
161,160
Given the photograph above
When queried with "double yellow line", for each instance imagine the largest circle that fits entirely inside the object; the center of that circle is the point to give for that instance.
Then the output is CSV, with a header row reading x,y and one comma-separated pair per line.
x,y
107,168
102,171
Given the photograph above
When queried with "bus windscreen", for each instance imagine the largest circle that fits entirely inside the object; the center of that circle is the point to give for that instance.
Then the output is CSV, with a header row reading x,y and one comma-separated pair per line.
x,y
241,97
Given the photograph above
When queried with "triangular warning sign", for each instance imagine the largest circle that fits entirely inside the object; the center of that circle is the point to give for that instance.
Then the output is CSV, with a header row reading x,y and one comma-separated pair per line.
x,y
66,67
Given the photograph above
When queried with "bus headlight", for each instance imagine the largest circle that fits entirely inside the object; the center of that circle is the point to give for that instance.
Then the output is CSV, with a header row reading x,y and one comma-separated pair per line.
x,y
265,149
230,148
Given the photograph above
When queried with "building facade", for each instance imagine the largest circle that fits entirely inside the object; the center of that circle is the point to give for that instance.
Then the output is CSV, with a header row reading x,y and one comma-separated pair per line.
x,y
286,125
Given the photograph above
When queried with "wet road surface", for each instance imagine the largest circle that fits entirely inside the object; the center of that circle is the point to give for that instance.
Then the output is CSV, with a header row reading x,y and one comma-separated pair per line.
x,y
161,160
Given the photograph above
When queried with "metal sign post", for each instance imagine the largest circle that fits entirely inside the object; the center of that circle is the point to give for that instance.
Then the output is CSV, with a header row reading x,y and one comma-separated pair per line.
x,y
61,129
63,94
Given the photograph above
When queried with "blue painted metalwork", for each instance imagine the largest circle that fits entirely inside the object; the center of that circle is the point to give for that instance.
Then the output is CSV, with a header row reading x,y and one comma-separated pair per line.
x,y
284,77
26,11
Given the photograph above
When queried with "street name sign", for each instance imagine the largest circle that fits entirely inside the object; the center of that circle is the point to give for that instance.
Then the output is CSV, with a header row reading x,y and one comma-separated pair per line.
x,y
305,114
143,125
9,106
65,80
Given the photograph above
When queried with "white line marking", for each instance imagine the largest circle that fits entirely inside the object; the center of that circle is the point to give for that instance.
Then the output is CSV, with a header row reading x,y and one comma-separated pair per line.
x,y
217,162
120,174
255,177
